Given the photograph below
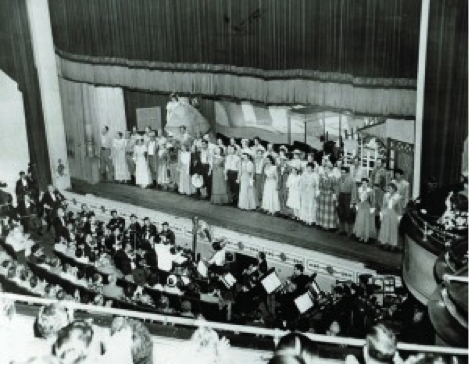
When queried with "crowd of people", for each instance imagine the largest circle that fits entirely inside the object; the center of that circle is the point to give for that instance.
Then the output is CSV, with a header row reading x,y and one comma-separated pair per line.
x,y
57,335
321,189
136,262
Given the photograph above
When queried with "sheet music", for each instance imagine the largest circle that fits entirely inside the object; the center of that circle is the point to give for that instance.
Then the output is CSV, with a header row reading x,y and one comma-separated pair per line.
x,y
271,283
202,269
304,302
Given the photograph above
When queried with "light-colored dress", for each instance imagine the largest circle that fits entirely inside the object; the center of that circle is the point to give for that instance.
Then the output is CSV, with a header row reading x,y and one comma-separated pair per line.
x,y
308,191
247,198
391,211
270,201
121,170
220,193
185,184
163,176
142,171
293,185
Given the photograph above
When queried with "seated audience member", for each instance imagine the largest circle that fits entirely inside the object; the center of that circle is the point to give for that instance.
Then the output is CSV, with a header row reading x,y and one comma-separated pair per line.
x,y
149,231
154,282
112,290
97,283
164,306
35,253
186,309
171,286
99,300
60,295
80,256
50,320
19,241
49,291
380,347
5,266
206,346
333,329
60,225
76,344
141,341
116,222
69,272
55,266
296,345
61,245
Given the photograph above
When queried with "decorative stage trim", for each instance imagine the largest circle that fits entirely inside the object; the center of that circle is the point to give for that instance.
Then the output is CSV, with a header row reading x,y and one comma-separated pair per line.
x,y
279,255
368,96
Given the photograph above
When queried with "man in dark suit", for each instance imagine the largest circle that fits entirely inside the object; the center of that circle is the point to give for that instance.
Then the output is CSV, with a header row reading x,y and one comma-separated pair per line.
x,y
60,226
22,187
28,213
134,230
51,202
123,259
168,233
149,231
116,222
200,165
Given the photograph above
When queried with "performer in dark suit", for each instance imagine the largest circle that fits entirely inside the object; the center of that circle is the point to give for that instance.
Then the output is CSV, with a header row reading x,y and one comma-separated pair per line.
x,y
28,213
51,201
134,230
116,222
168,233
22,186
149,231
60,225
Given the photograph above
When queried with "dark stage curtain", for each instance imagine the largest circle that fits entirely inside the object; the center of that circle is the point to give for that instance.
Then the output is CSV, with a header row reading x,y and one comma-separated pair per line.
x,y
17,60
446,92
363,38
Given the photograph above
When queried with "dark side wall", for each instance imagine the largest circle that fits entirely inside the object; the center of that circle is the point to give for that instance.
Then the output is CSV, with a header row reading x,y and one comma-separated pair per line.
x,y
17,61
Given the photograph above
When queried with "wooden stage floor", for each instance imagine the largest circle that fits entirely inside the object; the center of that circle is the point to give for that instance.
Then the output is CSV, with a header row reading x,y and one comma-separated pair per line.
x,y
253,223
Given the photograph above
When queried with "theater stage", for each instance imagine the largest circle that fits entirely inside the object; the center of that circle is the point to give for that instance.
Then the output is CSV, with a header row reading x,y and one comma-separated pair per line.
x,y
252,223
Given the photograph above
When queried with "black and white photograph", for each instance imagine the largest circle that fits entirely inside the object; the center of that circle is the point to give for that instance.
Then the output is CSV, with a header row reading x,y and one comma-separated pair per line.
x,y
234,182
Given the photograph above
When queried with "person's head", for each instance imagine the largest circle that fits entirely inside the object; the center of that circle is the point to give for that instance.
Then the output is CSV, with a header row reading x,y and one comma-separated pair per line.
x,y
33,281
142,345
365,182
379,162
344,170
119,135
146,221
11,273
398,174
37,250
204,144
165,226
186,306
105,130
74,343
261,256
98,300
51,319
164,302
392,188
114,213
298,269
333,329
298,346
182,129
205,340
133,218
97,279
270,161
309,167
60,294
380,347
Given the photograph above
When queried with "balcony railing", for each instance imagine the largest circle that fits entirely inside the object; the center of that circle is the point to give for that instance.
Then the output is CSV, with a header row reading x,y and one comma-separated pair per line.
x,y
238,329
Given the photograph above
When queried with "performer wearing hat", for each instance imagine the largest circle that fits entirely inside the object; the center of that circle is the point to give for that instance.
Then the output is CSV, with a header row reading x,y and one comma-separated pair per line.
x,y
232,165
247,199
345,188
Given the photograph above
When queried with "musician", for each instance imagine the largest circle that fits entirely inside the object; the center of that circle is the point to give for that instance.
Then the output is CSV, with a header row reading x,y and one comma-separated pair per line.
x,y
299,279
116,222
22,186
149,231
123,258
92,225
29,214
168,233
134,228
114,241
217,261
85,211
150,257
60,226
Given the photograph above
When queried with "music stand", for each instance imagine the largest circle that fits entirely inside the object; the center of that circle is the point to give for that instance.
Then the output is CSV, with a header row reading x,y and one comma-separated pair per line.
x,y
304,302
270,281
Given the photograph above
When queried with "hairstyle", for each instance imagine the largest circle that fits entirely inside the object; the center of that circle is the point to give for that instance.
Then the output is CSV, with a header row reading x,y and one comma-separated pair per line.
x,y
309,164
186,306
11,272
106,127
25,274
60,295
365,180
297,345
142,345
262,255
271,159
393,186
79,253
152,279
113,211
33,281
344,168
381,343
399,171
73,343
50,320
299,267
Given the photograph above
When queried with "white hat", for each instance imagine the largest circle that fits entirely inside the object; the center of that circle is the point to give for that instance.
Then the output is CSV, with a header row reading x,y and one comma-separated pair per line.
x,y
197,181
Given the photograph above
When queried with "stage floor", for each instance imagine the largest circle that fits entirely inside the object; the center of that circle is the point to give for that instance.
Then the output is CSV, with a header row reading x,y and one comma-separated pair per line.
x,y
253,223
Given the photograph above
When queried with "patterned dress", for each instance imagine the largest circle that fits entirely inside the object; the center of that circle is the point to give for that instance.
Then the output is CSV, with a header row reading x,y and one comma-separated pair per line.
x,y
308,191
327,201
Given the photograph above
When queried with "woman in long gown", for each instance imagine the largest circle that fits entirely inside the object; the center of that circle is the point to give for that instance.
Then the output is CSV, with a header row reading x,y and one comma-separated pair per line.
x,y
121,170
327,217
270,200
142,170
308,192
293,186
185,184
163,162
217,171
391,212
364,201
247,196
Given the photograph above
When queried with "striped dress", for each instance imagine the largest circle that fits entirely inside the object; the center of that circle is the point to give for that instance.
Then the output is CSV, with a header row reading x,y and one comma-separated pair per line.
x,y
327,202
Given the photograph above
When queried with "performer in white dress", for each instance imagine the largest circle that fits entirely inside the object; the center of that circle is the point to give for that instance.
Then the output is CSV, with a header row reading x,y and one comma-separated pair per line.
x,y
121,170
270,200
309,190
185,184
294,189
142,171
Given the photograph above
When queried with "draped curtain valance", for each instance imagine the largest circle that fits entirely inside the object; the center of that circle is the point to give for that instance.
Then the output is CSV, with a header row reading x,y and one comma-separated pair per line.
x,y
365,97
